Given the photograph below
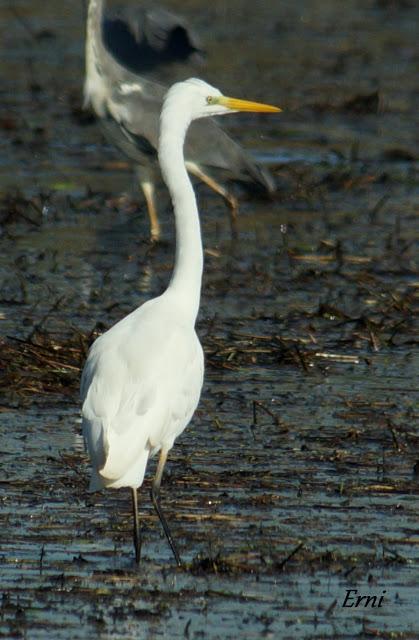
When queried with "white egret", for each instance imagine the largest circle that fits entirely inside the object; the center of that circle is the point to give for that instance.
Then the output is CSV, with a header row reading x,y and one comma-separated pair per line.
x,y
142,379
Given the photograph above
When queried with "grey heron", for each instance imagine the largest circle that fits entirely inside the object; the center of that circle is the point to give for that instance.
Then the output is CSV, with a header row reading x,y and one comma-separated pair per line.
x,y
145,40
128,104
142,379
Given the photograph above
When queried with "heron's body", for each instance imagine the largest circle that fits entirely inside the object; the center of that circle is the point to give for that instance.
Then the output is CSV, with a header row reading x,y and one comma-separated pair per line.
x,y
150,40
129,104
142,378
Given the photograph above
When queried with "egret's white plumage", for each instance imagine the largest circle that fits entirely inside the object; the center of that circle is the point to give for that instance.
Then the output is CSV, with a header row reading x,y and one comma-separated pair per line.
x,y
140,385
142,379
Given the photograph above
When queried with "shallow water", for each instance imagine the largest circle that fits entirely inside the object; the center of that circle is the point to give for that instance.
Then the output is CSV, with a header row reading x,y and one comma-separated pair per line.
x,y
295,481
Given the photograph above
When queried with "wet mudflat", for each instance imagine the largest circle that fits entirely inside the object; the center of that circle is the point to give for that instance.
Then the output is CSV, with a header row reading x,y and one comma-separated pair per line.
x,y
298,478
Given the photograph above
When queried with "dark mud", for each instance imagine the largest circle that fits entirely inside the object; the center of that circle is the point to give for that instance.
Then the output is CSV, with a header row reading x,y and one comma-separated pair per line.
x,y
298,477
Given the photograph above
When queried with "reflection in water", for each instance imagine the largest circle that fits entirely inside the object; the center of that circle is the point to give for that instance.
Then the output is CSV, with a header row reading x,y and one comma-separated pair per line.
x,y
146,279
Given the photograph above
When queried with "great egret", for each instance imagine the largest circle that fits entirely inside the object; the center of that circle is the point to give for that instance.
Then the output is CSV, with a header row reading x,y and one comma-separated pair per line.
x,y
142,379
128,105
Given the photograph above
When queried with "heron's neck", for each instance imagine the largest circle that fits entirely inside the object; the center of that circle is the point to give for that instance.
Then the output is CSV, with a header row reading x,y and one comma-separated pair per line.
x,y
95,11
93,29
187,275
94,89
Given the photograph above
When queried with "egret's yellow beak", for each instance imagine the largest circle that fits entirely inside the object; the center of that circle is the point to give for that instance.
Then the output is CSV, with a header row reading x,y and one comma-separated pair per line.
x,y
246,105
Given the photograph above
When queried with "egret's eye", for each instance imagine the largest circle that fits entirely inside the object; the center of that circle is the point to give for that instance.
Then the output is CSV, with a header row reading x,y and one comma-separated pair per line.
x,y
210,99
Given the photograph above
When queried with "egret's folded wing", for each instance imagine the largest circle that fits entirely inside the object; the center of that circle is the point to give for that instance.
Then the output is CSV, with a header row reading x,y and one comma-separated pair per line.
x,y
117,412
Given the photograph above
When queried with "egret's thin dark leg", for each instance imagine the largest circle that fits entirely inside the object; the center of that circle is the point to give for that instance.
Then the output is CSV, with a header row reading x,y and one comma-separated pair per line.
x,y
137,532
155,496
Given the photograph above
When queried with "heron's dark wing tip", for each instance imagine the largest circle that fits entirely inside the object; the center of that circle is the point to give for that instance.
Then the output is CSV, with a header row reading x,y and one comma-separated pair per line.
x,y
141,40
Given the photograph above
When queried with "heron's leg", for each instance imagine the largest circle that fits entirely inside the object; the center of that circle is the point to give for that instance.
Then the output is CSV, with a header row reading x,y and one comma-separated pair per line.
x,y
155,496
147,187
137,532
218,188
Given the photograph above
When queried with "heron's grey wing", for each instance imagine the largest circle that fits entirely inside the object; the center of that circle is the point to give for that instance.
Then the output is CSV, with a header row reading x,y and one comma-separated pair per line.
x,y
144,40
134,145
132,102
132,119
133,126
166,31
209,146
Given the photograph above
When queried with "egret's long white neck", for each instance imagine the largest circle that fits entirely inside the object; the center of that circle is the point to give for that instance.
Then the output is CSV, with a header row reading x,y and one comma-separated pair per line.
x,y
187,275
